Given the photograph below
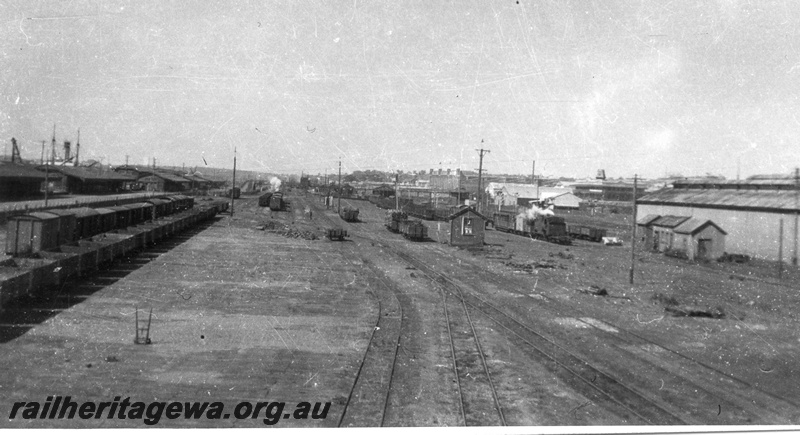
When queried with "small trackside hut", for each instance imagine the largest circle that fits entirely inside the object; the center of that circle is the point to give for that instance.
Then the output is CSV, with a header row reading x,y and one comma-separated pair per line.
x,y
467,227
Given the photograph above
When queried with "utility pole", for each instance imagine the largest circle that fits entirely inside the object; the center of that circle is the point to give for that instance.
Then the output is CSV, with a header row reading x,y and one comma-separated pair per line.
x,y
480,175
459,185
233,188
780,250
53,147
633,230
796,212
339,201
396,192
46,178
78,150
126,159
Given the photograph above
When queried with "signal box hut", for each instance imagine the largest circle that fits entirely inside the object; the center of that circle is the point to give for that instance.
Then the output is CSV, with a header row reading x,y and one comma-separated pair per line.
x,y
700,239
467,227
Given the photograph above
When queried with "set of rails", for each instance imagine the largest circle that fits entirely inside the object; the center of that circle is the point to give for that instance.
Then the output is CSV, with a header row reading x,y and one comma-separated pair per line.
x,y
483,400
49,248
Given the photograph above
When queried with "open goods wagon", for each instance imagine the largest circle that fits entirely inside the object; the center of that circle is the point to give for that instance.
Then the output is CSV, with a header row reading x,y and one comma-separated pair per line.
x,y
414,230
336,234
393,219
586,232
349,214
236,192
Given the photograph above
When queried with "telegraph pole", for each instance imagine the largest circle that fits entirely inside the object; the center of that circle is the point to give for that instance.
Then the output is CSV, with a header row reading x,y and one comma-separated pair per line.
x,y
53,147
480,175
796,212
46,177
396,192
233,188
339,201
633,231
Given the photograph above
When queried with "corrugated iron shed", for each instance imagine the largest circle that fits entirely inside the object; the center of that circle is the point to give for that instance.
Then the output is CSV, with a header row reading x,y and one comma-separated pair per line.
x,y
778,201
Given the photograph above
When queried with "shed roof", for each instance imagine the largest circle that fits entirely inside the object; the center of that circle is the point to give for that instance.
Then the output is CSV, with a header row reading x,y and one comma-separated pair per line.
x,y
669,221
91,174
464,209
647,220
165,176
695,225
13,170
521,190
777,201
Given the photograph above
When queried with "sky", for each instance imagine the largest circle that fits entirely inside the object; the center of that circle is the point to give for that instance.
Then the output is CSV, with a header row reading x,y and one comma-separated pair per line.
x,y
652,88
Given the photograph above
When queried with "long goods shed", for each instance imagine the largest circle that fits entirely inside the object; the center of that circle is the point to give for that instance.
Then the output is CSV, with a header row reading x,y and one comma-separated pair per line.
x,y
751,214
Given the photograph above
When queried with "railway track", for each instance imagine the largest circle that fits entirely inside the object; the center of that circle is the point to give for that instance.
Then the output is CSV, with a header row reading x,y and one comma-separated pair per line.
x,y
602,388
478,398
368,401
606,384
478,403
734,400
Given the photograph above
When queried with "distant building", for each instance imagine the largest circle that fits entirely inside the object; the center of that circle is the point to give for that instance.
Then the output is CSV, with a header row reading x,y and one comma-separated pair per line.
x,y
605,191
19,181
562,201
514,194
90,180
158,180
749,211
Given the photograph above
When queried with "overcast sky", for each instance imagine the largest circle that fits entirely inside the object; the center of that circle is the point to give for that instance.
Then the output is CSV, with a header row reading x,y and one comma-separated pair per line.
x,y
647,87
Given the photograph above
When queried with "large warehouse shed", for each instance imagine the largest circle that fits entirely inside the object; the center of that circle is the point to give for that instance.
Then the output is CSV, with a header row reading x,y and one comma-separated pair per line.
x,y
750,211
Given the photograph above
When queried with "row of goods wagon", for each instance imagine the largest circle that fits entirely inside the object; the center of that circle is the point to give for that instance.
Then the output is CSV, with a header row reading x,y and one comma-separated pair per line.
x,y
397,221
273,200
549,228
426,211
51,247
